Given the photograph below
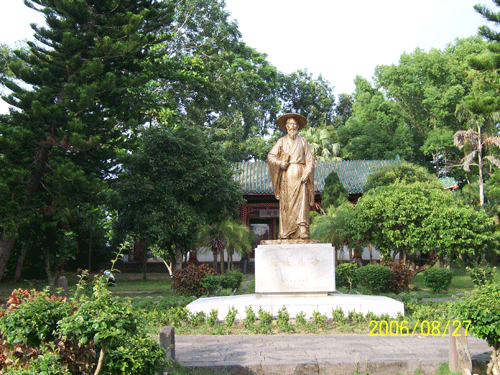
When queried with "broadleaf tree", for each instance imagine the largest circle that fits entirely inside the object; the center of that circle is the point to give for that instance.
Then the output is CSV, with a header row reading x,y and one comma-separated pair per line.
x,y
175,183
420,218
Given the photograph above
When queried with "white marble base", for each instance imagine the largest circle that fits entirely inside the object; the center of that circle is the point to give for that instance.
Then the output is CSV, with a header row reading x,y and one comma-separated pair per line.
x,y
300,303
294,268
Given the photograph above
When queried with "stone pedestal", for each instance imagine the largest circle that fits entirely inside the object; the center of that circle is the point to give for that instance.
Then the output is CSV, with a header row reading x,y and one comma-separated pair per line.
x,y
291,268
299,275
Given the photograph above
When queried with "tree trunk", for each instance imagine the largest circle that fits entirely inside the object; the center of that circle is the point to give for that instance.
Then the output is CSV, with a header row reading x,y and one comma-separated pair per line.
x,y
20,262
215,254
51,276
90,252
145,263
222,262
417,270
6,245
178,259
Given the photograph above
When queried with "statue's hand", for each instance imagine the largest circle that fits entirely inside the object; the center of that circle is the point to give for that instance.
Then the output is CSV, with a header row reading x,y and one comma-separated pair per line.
x,y
303,178
284,165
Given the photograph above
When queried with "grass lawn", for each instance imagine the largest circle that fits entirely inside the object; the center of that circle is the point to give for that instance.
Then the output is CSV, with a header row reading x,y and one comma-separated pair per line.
x,y
159,285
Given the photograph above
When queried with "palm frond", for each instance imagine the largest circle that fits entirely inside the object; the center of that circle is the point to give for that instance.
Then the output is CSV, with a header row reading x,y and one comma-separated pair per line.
x,y
462,136
492,141
493,160
468,160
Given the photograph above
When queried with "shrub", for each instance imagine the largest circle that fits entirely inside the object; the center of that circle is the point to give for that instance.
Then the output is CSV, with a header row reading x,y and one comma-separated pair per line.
x,y
300,318
338,315
249,320
34,318
231,316
231,280
188,281
437,278
344,275
46,363
213,317
482,275
482,308
319,319
283,318
225,292
197,318
210,283
138,355
66,338
401,276
265,321
177,315
355,317
374,277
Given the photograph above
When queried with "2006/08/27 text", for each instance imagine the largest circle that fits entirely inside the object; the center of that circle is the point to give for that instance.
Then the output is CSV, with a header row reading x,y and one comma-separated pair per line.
x,y
426,328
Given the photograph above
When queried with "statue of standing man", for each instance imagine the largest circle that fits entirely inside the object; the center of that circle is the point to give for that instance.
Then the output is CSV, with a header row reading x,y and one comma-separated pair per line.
x,y
291,165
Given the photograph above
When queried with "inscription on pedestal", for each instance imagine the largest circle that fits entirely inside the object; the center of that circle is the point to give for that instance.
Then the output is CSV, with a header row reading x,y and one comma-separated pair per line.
x,y
294,268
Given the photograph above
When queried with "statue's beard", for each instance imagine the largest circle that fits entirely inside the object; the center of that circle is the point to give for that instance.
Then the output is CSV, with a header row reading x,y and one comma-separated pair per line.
x,y
292,134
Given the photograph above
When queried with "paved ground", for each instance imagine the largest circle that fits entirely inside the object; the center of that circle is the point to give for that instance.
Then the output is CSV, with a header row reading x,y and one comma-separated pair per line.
x,y
318,354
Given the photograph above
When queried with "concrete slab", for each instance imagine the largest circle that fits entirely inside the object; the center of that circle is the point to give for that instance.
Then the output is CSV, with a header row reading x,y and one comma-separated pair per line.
x,y
318,354
298,303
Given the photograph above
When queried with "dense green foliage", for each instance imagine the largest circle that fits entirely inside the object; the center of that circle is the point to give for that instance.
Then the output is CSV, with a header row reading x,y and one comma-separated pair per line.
x,y
402,172
406,219
79,336
75,92
230,280
334,193
176,182
482,275
345,275
482,309
374,277
438,278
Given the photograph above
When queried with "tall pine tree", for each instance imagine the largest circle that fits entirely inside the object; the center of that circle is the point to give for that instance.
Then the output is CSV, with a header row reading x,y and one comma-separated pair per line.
x,y
76,97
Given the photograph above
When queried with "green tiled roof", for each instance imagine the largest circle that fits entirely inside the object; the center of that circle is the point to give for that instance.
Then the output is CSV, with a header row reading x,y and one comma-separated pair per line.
x,y
254,176
255,179
449,183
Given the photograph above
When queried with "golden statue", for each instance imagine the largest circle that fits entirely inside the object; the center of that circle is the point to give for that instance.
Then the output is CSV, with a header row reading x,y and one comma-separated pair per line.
x,y
291,165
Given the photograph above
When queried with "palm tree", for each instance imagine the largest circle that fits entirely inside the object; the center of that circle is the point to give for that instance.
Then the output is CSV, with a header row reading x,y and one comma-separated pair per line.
x,y
478,141
239,239
213,237
321,142
231,235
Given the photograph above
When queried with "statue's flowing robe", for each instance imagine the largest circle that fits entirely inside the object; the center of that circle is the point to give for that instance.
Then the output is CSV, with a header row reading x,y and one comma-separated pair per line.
x,y
295,197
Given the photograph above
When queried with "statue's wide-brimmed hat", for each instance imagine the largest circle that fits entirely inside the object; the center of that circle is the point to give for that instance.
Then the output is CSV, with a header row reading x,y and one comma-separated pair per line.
x,y
300,119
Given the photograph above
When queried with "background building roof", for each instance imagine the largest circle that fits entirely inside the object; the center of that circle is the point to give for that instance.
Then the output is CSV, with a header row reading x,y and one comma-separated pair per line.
x,y
255,179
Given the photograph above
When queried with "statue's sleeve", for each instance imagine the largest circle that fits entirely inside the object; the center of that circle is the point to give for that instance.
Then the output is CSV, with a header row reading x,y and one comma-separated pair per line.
x,y
309,170
274,163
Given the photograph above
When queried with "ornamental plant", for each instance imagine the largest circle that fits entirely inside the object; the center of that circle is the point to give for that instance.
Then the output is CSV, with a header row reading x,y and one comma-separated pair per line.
x,y
401,276
437,278
374,277
482,308
344,275
189,281
89,335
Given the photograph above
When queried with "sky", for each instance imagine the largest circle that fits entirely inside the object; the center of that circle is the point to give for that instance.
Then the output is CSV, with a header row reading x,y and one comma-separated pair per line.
x,y
338,39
